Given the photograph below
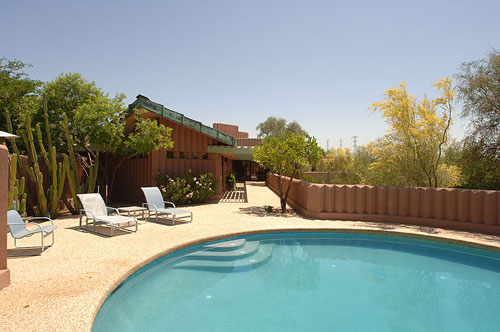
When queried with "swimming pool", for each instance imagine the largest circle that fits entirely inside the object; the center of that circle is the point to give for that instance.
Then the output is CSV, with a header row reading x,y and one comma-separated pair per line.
x,y
311,282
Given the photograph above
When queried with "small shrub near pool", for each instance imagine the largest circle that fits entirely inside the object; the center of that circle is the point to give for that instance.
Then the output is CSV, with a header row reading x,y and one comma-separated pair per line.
x,y
188,188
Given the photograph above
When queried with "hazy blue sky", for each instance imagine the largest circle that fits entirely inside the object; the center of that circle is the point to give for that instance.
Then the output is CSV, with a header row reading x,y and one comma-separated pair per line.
x,y
321,63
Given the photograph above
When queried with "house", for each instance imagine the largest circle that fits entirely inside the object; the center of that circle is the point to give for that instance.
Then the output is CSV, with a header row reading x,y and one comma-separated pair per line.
x,y
244,167
197,147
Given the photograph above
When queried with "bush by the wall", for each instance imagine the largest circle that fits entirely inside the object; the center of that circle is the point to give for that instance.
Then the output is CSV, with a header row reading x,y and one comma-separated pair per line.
x,y
187,188
231,182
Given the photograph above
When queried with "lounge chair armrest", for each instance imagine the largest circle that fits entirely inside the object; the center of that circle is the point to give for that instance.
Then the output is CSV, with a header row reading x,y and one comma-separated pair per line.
x,y
170,203
38,218
149,205
112,209
28,223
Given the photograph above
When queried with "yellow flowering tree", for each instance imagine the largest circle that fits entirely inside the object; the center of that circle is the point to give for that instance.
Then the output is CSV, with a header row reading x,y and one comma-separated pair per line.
x,y
412,150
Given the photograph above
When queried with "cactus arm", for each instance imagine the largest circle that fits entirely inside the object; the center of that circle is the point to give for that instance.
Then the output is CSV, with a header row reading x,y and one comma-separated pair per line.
x,y
71,167
61,175
54,199
22,205
43,152
72,185
46,121
13,142
28,139
92,179
37,177
69,141
13,189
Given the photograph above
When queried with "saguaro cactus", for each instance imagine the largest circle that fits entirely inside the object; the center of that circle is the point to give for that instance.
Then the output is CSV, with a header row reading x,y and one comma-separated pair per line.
x,y
47,201
16,192
36,176
57,170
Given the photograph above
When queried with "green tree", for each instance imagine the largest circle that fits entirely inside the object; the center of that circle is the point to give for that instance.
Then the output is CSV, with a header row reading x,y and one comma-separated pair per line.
x,y
144,136
287,156
277,127
71,94
411,153
479,89
98,125
17,92
479,169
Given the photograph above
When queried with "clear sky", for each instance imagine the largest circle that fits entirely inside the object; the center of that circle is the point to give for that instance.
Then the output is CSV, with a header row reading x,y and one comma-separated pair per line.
x,y
321,63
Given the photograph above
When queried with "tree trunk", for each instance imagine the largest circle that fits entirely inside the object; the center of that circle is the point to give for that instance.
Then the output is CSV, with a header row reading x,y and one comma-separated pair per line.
x,y
71,209
283,204
285,197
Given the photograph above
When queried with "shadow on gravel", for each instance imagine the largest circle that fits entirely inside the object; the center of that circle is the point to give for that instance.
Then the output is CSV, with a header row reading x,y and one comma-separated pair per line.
x,y
266,211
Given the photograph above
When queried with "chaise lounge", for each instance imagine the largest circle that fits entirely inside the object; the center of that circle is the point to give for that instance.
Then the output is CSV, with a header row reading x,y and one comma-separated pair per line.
x,y
96,210
18,229
155,203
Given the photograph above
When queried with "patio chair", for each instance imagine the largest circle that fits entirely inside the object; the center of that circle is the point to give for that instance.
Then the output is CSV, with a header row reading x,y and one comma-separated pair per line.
x,y
18,229
155,203
96,210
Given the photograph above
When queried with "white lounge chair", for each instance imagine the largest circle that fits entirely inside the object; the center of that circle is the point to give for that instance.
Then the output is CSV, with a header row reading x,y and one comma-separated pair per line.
x,y
18,229
155,203
96,210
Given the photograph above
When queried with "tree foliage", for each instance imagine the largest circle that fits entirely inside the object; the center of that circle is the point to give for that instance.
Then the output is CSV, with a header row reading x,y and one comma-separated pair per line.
x,y
343,166
99,124
411,152
287,156
17,91
479,89
277,127
90,112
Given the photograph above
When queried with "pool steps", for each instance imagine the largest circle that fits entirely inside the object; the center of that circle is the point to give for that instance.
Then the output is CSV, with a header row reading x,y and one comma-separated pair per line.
x,y
225,246
237,252
241,256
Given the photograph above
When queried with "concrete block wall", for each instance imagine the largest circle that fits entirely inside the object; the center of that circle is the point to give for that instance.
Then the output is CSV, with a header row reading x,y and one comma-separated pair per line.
x,y
462,209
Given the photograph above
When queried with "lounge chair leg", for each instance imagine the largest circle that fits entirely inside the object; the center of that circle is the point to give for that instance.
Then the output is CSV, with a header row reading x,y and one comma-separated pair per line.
x,y
42,240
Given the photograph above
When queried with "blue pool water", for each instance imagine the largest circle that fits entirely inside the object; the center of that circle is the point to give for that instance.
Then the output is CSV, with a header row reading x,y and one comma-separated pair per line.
x,y
311,282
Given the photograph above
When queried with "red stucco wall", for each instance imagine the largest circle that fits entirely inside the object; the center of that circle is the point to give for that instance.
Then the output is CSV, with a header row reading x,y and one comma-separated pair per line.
x,y
4,185
462,209
140,172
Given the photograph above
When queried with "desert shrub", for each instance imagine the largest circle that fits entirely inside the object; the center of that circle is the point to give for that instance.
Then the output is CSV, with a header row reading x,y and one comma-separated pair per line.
x,y
187,188
231,182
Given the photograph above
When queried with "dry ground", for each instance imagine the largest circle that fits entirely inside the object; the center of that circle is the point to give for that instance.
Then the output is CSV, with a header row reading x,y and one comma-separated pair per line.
x,y
62,289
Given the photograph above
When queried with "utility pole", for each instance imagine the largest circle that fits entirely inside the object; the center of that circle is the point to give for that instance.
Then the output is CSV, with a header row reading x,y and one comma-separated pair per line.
x,y
341,143
327,145
354,139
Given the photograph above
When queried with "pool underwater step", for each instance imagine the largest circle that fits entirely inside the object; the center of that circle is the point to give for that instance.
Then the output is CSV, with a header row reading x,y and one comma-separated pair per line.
x,y
238,252
225,246
258,258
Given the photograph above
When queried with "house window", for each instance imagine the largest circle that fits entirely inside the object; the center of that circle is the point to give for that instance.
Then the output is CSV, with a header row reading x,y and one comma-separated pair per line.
x,y
194,155
170,154
182,155
205,156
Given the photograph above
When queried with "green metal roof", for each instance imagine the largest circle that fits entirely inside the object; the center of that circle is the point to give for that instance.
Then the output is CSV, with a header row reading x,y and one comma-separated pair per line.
x,y
159,109
239,152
